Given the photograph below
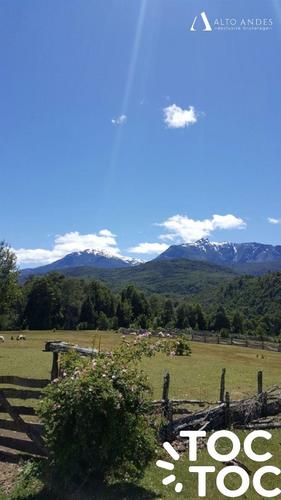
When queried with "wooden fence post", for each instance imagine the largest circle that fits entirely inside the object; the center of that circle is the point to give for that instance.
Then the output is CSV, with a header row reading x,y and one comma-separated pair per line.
x,y
222,385
55,366
227,411
218,339
260,389
167,407
165,395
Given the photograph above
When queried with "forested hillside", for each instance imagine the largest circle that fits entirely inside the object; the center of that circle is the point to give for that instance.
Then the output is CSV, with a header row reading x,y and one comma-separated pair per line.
x,y
177,294
258,299
171,278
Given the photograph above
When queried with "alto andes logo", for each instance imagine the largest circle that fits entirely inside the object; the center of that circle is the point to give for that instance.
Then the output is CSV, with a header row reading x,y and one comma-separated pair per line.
x,y
202,22
238,470
205,21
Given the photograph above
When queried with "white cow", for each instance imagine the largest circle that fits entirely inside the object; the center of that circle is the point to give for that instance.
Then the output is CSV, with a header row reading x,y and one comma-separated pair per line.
x,y
2,339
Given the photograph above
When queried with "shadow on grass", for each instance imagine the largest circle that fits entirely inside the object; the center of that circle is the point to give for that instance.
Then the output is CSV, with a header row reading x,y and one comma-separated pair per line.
x,y
120,491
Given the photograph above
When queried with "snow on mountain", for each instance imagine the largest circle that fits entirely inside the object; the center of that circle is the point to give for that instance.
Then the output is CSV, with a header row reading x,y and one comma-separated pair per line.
x,y
223,253
86,258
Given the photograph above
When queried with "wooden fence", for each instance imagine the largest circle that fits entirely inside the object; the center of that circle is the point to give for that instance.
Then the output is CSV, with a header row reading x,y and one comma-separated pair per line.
x,y
208,338
17,434
214,338
258,411
168,407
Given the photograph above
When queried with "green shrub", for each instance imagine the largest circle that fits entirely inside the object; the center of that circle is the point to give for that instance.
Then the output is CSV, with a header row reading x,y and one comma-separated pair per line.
x,y
181,347
95,417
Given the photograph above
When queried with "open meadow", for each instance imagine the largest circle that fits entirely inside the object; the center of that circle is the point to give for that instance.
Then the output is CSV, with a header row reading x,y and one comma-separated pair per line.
x,y
193,377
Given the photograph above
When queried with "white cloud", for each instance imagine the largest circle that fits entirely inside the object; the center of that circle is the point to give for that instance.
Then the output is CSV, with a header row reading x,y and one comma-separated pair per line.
x,y
178,229
176,117
119,120
271,220
149,248
67,243
184,229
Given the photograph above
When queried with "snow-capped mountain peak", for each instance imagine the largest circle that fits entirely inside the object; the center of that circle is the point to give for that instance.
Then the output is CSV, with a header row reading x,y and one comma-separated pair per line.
x,y
107,254
92,257
223,253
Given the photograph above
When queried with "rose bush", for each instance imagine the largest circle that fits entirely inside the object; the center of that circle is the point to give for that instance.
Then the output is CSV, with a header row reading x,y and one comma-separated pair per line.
x,y
95,417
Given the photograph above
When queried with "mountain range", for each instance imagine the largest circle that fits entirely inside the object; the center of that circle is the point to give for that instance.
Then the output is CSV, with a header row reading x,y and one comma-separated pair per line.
x,y
239,256
225,254
187,269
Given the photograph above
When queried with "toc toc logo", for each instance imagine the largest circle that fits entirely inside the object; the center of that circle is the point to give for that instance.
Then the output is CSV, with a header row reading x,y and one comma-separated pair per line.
x,y
205,21
240,471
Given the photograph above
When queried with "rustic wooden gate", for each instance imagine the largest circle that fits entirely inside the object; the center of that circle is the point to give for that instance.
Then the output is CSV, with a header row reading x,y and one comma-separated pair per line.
x,y
17,434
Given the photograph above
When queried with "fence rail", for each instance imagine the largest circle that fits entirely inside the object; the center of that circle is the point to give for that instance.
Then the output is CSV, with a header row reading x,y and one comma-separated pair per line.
x,y
236,341
249,413
28,439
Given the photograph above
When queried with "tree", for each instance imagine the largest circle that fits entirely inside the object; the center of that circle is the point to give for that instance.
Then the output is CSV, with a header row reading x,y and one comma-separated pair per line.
x,y
192,317
220,320
182,316
9,286
137,301
237,323
101,298
200,318
168,314
124,313
103,321
43,306
72,296
87,314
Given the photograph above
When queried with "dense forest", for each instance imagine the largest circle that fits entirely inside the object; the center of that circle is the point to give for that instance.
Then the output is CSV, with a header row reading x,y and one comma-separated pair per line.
x,y
246,305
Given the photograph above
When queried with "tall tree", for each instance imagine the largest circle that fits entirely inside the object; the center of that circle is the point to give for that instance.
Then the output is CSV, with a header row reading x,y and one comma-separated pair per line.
x,y
168,314
88,314
9,286
237,323
124,313
200,318
182,316
220,319
43,306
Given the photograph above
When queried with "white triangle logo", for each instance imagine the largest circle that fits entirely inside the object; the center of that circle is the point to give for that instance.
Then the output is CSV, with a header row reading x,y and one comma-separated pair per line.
x,y
205,21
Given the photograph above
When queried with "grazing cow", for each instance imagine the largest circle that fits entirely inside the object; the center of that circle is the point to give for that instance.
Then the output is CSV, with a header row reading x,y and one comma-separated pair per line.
x,y
2,339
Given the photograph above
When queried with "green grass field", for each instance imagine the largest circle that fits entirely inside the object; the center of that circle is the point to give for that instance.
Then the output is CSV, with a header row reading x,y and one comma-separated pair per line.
x,y
192,377
195,377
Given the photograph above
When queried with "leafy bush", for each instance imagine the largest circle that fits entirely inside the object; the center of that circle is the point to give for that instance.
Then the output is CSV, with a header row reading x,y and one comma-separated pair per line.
x,y
181,347
95,417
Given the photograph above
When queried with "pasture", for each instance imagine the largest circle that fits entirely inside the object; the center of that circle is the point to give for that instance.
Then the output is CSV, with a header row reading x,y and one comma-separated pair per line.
x,y
194,377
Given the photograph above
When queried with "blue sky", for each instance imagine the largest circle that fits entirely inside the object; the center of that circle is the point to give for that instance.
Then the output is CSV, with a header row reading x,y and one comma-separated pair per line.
x,y
115,117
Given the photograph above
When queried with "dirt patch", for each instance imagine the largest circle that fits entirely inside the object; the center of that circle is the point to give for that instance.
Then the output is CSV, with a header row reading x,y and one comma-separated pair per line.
x,y
8,474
